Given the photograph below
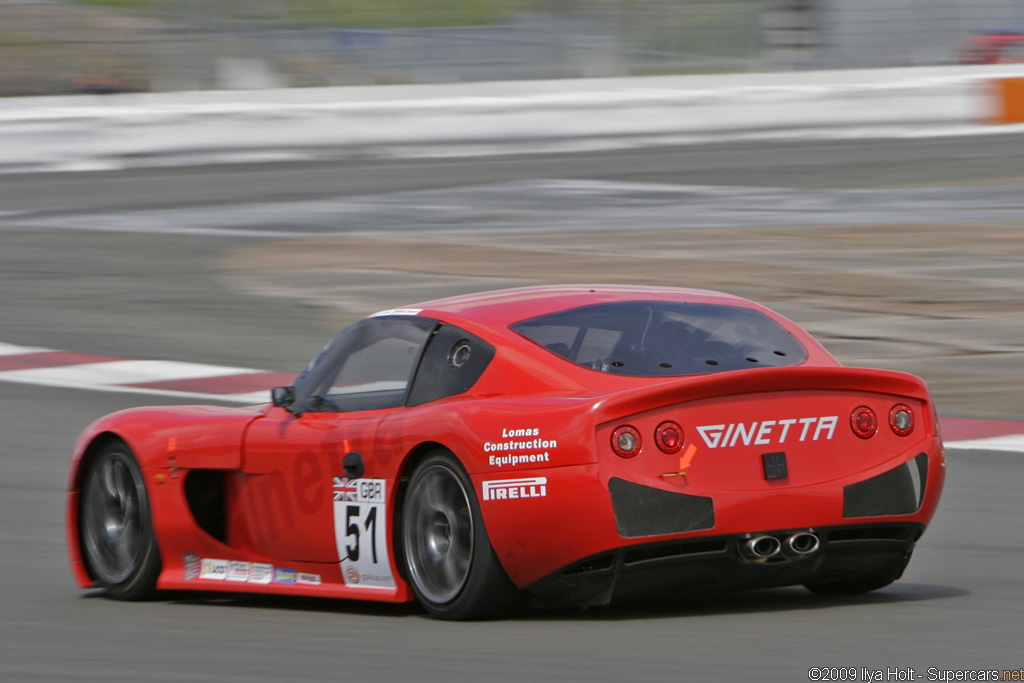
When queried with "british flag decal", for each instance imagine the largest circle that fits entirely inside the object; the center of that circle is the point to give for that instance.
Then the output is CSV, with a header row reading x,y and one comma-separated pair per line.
x,y
344,489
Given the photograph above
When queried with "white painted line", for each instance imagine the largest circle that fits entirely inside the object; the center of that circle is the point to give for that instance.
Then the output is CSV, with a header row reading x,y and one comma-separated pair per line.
x,y
251,398
1013,443
119,375
118,372
14,350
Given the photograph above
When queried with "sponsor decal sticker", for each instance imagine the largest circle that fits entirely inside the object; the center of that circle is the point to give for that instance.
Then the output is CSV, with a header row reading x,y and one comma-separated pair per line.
x,y
213,569
239,571
360,532
261,573
509,489
345,489
288,576
308,579
769,432
519,446
192,566
684,463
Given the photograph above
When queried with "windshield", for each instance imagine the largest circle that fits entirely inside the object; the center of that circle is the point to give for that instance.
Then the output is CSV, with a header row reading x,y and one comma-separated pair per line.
x,y
663,338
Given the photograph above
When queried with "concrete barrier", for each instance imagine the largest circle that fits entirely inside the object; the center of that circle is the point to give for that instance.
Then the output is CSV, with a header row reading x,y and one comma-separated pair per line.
x,y
118,131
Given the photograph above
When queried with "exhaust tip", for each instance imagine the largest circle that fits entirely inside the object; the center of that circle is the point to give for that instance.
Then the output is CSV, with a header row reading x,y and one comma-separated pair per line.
x,y
802,543
760,548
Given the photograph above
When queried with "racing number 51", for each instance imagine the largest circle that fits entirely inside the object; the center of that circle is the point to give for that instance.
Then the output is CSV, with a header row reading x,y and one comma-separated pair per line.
x,y
354,528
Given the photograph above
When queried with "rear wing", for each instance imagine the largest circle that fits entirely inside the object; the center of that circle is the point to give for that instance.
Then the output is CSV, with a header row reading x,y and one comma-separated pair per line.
x,y
764,380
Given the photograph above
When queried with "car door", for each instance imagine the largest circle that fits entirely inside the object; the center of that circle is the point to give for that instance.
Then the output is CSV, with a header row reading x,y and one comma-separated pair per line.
x,y
315,489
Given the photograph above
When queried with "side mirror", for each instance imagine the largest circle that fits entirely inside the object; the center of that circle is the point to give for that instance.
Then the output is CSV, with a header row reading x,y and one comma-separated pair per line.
x,y
282,397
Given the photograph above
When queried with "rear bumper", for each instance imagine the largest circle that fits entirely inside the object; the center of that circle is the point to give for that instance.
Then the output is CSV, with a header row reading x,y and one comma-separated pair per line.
x,y
717,563
603,510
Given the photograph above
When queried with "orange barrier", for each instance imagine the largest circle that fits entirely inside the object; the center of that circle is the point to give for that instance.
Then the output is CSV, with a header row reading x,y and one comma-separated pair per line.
x,y
1009,94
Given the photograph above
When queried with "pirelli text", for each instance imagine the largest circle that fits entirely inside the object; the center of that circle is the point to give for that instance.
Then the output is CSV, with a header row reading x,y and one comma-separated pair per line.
x,y
852,673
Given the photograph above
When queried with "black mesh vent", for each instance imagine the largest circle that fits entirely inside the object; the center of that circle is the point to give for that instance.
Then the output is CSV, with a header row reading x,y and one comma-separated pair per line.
x,y
899,491
645,511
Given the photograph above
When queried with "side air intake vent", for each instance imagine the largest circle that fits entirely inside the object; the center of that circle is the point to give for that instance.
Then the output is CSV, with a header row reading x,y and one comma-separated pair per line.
x,y
646,511
205,491
900,491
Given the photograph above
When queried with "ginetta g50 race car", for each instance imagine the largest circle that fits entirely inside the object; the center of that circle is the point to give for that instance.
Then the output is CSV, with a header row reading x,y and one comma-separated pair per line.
x,y
567,445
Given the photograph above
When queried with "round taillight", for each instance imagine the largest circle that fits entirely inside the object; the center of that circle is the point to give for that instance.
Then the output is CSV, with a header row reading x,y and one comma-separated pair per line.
x,y
901,419
864,422
626,442
669,437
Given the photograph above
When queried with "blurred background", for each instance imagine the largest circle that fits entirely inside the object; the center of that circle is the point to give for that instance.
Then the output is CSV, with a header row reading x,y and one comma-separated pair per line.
x,y
67,46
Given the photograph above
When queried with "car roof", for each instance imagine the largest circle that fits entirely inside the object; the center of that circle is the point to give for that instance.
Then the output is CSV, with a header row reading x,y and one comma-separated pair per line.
x,y
501,308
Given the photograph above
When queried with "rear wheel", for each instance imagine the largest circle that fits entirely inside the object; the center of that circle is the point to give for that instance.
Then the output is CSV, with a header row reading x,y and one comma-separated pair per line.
x,y
448,558
115,528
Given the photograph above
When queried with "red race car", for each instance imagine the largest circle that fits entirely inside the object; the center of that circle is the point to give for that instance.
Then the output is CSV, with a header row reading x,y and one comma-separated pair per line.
x,y
567,445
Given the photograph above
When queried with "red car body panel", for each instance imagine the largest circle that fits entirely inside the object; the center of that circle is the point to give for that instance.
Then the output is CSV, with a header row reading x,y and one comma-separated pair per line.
x,y
534,434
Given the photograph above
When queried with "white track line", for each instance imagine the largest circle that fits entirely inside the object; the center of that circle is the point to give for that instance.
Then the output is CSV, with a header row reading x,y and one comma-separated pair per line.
x,y
14,350
119,372
119,375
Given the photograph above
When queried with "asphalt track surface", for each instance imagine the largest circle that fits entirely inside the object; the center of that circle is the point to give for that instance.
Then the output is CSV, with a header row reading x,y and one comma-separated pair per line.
x,y
165,295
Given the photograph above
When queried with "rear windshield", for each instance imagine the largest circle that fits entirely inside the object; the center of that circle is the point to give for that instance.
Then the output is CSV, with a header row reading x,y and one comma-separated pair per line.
x,y
659,338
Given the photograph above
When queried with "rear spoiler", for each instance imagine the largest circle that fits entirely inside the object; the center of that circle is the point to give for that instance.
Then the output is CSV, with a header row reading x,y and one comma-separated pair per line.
x,y
761,380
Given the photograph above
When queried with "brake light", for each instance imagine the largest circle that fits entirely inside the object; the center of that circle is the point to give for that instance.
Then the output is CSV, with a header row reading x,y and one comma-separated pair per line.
x,y
901,419
669,437
863,422
626,441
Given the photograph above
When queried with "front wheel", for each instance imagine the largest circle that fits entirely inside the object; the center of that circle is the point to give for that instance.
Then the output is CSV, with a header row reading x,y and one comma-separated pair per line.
x,y
115,528
449,560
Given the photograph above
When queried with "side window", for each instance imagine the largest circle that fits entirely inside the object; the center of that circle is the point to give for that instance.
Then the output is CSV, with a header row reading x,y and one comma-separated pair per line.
x,y
382,367
452,363
368,366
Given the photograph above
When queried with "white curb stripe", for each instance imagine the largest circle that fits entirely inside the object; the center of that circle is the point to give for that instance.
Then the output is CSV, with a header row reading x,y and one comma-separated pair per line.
x,y
119,372
119,375
248,399
13,350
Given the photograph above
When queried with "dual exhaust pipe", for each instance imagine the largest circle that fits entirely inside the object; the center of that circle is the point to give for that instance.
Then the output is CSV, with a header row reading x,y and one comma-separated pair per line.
x,y
760,548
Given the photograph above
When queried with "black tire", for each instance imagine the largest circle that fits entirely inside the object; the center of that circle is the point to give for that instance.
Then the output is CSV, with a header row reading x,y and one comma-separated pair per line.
x,y
447,557
115,529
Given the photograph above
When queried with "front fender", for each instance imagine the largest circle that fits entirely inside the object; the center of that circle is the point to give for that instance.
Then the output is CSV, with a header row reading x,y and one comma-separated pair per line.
x,y
187,437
